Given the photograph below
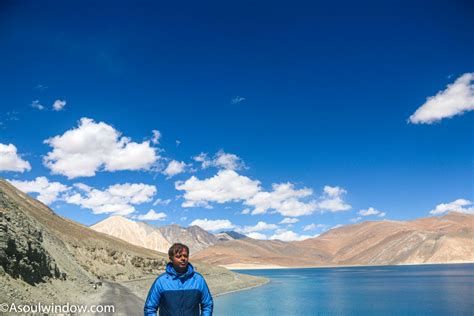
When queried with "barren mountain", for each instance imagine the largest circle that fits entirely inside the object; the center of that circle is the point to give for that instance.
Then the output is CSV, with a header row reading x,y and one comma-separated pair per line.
x,y
136,233
47,258
156,238
229,235
194,237
445,239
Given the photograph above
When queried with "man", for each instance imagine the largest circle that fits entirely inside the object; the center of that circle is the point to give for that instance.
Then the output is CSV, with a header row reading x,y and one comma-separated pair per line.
x,y
180,290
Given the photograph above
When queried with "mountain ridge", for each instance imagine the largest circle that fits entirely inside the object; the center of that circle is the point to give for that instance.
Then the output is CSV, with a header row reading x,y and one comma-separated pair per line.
x,y
445,239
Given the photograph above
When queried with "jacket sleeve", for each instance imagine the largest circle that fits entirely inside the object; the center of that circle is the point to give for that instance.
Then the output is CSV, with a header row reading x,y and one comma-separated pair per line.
x,y
207,303
153,299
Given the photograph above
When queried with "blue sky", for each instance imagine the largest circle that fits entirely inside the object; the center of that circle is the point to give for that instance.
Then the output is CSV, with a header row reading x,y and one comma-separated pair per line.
x,y
306,111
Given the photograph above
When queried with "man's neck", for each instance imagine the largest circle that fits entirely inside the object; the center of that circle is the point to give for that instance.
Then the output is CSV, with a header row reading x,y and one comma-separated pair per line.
x,y
180,270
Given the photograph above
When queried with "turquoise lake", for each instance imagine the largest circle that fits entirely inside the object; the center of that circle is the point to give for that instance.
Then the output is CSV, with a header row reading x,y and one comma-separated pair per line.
x,y
381,290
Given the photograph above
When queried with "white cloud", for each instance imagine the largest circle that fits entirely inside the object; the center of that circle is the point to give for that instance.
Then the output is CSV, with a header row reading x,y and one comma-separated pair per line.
x,y
117,199
460,205
226,186
456,99
161,202
256,235
313,226
10,161
289,220
37,105
371,211
151,216
260,226
59,105
203,159
333,191
229,186
237,100
213,225
284,199
245,211
83,151
356,219
332,200
289,235
155,140
174,167
221,160
48,192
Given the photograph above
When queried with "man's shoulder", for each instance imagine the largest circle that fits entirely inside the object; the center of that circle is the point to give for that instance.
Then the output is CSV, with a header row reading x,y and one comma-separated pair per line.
x,y
198,275
161,277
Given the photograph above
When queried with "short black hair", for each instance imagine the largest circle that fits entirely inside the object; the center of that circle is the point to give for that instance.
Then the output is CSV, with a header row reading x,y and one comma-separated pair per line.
x,y
177,248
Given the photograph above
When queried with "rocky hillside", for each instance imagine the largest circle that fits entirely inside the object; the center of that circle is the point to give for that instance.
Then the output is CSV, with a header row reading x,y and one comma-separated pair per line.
x,y
229,235
446,239
47,258
155,238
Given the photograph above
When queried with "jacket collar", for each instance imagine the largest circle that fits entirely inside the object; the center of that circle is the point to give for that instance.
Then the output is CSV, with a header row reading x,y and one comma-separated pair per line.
x,y
171,271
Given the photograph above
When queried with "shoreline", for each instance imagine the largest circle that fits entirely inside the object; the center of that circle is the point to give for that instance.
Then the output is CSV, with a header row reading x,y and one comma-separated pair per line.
x,y
242,289
239,267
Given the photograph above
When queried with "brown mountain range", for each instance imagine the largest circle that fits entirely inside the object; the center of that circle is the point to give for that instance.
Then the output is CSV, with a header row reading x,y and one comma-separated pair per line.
x,y
446,239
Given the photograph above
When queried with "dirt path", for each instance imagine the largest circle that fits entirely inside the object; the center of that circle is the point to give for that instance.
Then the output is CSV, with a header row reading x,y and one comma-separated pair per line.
x,y
124,300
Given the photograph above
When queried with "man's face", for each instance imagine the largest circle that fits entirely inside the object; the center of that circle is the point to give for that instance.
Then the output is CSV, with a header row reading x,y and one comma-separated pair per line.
x,y
180,261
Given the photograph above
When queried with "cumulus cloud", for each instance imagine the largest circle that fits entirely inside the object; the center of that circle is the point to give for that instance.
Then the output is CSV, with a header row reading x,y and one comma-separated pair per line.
x,y
59,105
161,202
289,235
256,235
213,225
117,199
289,220
174,167
48,192
221,160
332,200
37,105
284,199
82,151
237,100
151,216
155,139
260,226
313,226
460,205
371,211
11,161
225,186
245,211
456,99
229,186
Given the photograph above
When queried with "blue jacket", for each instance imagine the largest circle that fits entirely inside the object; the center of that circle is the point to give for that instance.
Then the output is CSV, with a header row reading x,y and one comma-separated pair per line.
x,y
179,294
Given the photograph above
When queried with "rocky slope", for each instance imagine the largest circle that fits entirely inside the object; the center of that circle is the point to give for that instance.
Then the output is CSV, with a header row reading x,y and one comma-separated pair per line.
x,y
47,258
229,235
446,239
156,238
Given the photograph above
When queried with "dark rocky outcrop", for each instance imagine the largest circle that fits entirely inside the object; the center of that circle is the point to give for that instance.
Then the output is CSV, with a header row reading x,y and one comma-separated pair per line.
x,y
22,254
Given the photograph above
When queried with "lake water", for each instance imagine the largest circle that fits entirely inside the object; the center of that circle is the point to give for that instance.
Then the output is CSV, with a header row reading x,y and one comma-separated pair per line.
x,y
382,290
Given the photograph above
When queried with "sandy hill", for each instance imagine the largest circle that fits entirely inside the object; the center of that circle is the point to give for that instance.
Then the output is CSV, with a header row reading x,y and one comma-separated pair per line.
x,y
446,239
47,258
155,238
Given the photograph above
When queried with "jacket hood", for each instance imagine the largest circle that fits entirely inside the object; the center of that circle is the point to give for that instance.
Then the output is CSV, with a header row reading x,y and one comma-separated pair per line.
x,y
171,271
